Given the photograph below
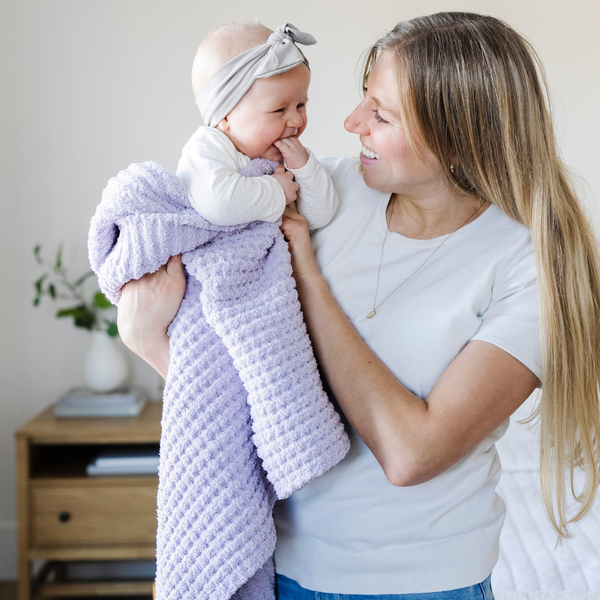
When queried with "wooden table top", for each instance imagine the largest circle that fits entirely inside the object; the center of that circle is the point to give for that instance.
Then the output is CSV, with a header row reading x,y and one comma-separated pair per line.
x,y
45,428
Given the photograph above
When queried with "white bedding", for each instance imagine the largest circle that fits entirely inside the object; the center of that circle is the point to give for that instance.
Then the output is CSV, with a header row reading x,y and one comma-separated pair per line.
x,y
529,561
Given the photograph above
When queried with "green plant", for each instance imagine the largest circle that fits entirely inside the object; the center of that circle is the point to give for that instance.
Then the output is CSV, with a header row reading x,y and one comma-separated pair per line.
x,y
56,284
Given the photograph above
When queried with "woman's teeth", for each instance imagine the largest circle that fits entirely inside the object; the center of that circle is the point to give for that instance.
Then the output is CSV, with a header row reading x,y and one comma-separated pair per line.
x,y
369,153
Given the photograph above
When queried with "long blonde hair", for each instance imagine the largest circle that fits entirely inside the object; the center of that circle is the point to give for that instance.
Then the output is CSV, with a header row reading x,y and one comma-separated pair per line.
x,y
473,90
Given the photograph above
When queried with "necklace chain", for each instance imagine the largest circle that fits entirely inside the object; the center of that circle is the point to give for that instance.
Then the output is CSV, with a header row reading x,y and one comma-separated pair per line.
x,y
387,229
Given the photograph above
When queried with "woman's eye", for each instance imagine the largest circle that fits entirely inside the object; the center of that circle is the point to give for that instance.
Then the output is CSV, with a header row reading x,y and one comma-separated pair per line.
x,y
364,90
378,117
280,110
303,105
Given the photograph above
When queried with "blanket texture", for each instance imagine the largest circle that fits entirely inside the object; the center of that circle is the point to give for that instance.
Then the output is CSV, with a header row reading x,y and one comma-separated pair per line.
x,y
245,418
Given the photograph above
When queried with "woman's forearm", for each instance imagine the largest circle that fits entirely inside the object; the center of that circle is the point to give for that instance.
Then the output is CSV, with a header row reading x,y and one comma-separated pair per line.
x,y
387,417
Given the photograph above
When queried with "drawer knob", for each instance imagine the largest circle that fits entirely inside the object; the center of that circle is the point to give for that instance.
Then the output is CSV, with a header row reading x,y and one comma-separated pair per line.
x,y
63,517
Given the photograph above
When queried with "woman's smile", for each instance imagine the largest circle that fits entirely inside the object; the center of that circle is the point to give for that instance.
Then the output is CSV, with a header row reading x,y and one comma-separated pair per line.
x,y
370,155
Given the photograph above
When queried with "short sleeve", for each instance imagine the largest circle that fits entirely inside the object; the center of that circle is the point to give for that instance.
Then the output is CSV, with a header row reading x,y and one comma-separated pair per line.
x,y
512,320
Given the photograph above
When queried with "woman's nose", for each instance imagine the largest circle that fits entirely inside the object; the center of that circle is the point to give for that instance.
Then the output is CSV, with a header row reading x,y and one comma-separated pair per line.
x,y
355,122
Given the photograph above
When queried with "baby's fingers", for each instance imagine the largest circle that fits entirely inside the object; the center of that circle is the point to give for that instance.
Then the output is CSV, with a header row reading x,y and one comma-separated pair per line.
x,y
288,142
280,145
293,152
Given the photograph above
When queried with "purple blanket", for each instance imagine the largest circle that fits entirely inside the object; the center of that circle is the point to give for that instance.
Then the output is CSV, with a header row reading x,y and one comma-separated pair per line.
x,y
245,418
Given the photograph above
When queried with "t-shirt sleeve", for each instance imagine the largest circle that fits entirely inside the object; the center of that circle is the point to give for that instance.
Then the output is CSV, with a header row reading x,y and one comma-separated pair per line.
x,y
512,320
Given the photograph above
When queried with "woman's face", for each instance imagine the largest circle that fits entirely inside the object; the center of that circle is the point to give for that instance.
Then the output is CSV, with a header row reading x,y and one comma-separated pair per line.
x,y
390,164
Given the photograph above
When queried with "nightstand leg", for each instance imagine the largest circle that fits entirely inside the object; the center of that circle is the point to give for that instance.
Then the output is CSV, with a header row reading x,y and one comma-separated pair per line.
x,y
23,466
24,587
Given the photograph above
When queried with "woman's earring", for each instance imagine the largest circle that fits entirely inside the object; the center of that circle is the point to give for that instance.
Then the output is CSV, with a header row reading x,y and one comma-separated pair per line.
x,y
451,168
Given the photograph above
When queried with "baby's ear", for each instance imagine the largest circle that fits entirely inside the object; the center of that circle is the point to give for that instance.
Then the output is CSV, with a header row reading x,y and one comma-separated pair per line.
x,y
223,125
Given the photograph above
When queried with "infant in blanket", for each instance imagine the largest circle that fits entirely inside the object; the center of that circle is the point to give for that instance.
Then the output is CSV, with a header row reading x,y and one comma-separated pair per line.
x,y
251,86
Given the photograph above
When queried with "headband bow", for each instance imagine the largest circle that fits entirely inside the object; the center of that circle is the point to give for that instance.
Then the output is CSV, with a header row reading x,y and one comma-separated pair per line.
x,y
231,81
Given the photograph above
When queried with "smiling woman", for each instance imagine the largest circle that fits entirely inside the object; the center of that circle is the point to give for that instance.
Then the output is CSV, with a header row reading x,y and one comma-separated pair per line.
x,y
463,201
472,97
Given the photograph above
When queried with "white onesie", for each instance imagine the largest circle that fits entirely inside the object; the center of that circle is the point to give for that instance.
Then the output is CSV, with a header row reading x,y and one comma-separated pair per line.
x,y
209,168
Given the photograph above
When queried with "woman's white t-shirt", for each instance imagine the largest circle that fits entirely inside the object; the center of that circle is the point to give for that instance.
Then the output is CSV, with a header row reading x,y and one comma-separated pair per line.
x,y
351,531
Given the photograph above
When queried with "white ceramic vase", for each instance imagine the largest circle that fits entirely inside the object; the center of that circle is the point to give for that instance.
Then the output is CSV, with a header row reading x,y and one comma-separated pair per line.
x,y
105,365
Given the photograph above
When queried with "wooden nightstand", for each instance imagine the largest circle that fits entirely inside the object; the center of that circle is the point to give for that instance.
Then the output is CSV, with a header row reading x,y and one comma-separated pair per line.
x,y
65,515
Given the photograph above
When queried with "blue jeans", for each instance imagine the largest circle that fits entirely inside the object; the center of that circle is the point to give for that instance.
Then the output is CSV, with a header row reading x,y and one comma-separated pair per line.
x,y
288,589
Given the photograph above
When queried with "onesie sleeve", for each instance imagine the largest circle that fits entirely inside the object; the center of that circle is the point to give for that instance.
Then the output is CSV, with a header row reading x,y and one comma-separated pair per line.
x,y
209,168
317,198
512,319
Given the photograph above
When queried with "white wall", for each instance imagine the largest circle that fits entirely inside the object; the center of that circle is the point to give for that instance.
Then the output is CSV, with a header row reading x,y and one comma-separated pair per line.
x,y
88,87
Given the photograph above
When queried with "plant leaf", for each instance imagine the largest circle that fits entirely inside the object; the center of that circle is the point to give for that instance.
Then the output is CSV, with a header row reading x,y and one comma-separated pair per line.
x,y
112,329
83,278
52,291
36,253
101,301
36,301
82,317
68,312
85,320
38,283
59,257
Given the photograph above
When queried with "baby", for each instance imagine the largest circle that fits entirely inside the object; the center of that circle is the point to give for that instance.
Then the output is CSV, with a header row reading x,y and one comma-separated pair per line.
x,y
251,86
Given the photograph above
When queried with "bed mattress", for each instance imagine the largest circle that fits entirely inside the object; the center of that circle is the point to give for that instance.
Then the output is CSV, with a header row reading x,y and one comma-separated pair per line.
x,y
530,560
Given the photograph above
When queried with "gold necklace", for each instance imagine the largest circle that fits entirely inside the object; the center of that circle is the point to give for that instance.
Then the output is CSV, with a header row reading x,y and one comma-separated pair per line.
x,y
375,305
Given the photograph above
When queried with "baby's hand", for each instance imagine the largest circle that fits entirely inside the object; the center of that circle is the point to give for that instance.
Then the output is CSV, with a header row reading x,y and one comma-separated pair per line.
x,y
293,151
286,179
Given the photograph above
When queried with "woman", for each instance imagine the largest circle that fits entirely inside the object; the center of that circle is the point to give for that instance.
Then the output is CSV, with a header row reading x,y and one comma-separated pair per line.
x,y
424,299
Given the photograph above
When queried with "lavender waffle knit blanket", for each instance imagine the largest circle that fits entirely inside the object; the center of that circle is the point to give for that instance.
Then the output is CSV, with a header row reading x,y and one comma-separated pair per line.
x,y
245,419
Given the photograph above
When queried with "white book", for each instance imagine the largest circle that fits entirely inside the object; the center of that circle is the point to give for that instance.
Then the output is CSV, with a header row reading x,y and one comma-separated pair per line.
x,y
125,461
128,457
100,409
140,470
86,397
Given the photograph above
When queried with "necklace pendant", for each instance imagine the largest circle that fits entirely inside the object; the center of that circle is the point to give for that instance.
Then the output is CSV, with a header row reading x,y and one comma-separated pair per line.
x,y
371,314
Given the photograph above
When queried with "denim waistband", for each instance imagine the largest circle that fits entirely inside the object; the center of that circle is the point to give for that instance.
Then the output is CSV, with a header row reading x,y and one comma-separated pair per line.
x,y
288,589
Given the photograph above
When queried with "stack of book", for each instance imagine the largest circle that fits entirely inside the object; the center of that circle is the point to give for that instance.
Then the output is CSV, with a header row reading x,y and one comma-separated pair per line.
x,y
128,461
83,402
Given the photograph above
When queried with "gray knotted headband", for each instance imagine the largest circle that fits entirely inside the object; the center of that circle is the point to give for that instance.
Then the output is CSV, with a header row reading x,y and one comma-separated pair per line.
x,y
230,82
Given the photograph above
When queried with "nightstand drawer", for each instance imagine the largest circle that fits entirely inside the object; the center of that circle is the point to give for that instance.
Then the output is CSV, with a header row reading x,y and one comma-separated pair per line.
x,y
112,513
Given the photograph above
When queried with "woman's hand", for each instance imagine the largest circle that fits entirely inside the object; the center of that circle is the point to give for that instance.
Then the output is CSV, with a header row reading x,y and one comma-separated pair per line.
x,y
295,232
146,309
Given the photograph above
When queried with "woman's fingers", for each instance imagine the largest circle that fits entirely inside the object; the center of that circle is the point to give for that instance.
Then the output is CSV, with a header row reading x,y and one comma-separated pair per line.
x,y
293,224
175,268
146,309
171,290
295,231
